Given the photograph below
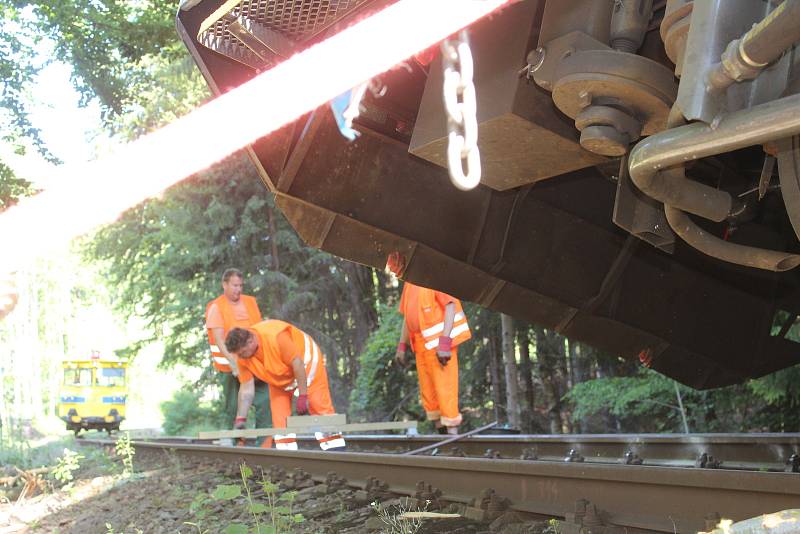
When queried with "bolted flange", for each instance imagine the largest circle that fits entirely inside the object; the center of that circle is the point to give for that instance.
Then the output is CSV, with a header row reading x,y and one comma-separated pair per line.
x,y
606,127
604,140
614,97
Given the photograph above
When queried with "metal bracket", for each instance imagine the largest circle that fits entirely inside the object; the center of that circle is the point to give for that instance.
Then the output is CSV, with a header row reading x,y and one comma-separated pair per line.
x,y
641,215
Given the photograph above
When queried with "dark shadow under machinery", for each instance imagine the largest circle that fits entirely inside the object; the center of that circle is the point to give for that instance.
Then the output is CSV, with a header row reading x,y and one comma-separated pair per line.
x,y
640,184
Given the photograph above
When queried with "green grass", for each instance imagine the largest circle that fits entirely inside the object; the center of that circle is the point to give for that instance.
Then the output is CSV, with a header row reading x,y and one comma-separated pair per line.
x,y
25,454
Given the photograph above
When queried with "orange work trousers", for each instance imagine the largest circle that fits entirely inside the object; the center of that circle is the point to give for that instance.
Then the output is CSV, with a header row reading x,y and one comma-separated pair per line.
x,y
319,401
438,386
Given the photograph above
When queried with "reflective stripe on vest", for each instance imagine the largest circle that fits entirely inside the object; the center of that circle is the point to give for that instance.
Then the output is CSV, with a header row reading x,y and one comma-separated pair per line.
x,y
454,333
437,329
286,442
310,355
220,362
216,356
332,441
460,331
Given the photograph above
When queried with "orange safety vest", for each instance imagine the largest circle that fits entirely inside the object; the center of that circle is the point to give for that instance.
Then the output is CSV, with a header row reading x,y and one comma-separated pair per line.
x,y
431,320
229,322
270,367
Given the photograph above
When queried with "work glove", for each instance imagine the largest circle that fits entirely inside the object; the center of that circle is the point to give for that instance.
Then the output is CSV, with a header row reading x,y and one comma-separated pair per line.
x,y
443,351
400,356
302,405
240,423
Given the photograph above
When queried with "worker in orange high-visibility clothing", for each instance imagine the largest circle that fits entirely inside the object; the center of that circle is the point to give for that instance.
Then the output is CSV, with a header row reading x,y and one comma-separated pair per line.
x,y
436,325
290,361
229,310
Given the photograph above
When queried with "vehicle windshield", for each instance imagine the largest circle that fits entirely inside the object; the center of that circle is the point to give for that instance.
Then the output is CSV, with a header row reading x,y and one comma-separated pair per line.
x,y
77,377
110,376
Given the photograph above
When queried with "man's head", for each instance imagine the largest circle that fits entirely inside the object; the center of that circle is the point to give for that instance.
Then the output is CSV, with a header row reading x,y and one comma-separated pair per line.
x,y
396,263
241,342
232,284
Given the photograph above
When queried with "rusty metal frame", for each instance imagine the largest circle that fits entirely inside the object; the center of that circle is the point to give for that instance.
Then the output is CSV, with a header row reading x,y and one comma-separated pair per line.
x,y
299,151
320,204
609,283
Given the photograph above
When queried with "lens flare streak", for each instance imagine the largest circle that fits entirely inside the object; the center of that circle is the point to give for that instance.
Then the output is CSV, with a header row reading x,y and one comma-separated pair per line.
x,y
96,193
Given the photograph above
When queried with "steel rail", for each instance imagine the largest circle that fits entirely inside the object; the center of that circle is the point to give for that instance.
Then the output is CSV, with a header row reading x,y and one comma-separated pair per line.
x,y
661,499
771,451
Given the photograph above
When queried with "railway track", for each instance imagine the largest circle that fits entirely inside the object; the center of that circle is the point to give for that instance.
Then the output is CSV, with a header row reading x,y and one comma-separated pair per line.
x,y
665,493
753,452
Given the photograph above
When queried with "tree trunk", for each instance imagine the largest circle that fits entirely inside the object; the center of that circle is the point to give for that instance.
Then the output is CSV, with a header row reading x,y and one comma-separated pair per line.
x,y
565,381
512,379
360,293
386,293
547,354
276,262
578,356
495,378
526,370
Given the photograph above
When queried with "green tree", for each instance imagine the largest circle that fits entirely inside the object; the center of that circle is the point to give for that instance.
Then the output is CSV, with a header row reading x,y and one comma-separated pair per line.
x,y
107,43
164,259
124,54
647,402
186,414
12,187
383,390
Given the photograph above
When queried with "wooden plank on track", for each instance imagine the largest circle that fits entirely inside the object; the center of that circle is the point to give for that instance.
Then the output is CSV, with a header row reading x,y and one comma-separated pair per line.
x,y
305,421
351,427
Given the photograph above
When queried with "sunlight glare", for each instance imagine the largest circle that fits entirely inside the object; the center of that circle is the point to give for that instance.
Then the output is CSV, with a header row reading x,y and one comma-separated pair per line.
x,y
88,195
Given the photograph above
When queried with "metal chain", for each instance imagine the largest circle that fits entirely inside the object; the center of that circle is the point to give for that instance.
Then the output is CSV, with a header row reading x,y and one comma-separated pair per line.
x,y
463,156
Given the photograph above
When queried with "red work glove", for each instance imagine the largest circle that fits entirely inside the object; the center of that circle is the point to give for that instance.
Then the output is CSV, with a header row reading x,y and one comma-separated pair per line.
x,y
302,405
443,350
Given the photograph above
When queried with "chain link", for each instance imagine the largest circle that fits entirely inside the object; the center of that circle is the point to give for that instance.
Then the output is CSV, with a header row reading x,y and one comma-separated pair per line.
x,y
463,156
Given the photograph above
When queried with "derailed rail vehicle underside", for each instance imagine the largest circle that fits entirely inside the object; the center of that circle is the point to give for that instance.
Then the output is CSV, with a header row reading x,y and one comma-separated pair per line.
x,y
640,163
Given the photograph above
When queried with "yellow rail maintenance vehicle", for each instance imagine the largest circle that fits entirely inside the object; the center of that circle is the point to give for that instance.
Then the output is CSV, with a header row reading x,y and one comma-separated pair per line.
x,y
93,394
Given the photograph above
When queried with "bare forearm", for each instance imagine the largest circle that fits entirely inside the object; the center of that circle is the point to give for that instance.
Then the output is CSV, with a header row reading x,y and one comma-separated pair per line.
x,y
219,337
300,375
404,335
449,318
246,395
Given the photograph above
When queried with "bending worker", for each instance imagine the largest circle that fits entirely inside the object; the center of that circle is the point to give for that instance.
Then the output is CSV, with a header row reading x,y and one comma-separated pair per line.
x,y
435,324
290,361
229,310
